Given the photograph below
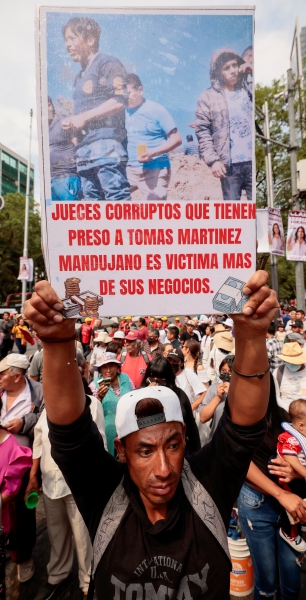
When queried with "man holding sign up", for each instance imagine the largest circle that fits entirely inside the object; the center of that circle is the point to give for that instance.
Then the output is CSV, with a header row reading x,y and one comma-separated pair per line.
x,y
158,522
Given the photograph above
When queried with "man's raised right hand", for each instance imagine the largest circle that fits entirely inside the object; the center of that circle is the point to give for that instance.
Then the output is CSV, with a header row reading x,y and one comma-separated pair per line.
x,y
43,313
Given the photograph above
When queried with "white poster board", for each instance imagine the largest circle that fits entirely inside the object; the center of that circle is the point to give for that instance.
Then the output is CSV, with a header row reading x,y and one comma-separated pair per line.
x,y
296,236
148,186
276,234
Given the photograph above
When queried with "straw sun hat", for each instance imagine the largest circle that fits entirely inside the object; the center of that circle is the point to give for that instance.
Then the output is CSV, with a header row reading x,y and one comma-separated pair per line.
x,y
293,353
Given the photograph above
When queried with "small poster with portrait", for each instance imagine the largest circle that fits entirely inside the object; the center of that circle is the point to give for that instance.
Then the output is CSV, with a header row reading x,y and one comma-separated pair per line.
x,y
276,235
146,135
296,236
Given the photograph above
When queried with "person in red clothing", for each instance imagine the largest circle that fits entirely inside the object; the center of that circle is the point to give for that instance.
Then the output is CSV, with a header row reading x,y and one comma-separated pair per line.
x,y
143,330
85,335
134,361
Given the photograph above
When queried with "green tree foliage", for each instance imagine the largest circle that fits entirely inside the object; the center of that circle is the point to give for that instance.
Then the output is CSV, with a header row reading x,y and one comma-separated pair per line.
x,y
275,95
11,242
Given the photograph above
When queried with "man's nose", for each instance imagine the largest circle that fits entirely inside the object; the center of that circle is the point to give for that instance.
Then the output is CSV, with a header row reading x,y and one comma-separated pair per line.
x,y
161,467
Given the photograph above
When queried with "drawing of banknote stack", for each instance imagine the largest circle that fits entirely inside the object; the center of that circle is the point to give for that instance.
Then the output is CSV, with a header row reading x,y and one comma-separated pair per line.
x,y
230,297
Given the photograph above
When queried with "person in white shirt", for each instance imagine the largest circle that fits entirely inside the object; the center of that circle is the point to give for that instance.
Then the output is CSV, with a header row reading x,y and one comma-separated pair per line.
x,y
186,379
62,515
223,344
290,378
99,350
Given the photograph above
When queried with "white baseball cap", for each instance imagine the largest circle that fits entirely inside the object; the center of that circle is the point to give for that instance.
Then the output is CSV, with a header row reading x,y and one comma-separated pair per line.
x,y
119,335
14,360
126,420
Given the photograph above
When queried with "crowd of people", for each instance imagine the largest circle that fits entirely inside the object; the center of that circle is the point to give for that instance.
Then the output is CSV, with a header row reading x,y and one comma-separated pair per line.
x,y
142,378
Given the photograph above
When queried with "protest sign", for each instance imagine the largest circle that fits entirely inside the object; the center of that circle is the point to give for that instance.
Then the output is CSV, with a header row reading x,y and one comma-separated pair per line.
x,y
276,232
146,135
296,236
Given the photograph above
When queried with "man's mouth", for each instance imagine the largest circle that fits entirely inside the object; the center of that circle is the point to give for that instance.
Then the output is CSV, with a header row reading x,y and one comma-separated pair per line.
x,y
162,489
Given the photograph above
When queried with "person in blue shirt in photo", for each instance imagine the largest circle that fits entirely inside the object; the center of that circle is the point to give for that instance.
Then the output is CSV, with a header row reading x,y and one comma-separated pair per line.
x,y
65,182
98,122
151,133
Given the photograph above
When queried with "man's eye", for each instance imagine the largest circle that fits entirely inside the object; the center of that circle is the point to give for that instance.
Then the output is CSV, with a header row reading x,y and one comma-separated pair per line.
x,y
174,445
145,452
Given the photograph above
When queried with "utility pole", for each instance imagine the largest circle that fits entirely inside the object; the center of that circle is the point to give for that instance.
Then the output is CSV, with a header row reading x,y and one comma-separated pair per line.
x,y
270,188
26,214
299,265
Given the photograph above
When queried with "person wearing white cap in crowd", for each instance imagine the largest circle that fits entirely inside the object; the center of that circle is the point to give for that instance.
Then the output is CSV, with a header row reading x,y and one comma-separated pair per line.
x,y
134,360
290,378
164,520
21,404
119,337
100,348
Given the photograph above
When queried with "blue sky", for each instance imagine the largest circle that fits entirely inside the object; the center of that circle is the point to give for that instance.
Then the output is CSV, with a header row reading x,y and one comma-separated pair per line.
x,y
171,54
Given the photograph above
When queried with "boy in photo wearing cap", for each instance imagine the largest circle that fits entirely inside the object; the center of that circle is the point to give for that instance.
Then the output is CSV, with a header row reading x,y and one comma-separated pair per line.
x,y
290,378
164,519
292,447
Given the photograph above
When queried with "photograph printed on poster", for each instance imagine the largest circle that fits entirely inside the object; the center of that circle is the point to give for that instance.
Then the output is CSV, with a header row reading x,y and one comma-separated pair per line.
x,y
276,232
296,236
149,106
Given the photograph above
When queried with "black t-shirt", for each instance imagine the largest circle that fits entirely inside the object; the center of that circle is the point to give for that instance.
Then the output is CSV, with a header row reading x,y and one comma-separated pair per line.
x,y
177,557
187,336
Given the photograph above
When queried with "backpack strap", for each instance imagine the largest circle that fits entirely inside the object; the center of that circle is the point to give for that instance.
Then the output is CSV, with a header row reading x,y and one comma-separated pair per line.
x,y
145,357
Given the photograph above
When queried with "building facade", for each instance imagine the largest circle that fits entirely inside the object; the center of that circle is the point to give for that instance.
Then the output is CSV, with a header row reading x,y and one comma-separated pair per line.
x,y
13,172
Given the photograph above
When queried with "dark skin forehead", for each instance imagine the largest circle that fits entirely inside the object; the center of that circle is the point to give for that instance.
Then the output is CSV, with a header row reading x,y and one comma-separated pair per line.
x,y
153,436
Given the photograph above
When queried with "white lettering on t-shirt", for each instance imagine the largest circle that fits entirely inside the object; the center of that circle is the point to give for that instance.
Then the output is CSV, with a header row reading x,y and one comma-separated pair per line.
x,y
136,591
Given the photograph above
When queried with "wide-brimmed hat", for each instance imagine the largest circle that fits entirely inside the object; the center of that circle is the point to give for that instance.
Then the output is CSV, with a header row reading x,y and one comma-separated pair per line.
x,y
224,340
218,329
191,322
228,322
14,360
293,353
114,325
103,337
164,318
108,357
